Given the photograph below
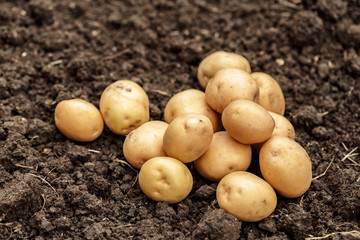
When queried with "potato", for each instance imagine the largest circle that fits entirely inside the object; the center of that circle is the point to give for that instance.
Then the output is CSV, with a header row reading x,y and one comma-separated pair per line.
x,y
246,196
144,143
191,101
165,179
271,96
228,85
286,166
247,122
188,137
283,127
224,155
124,106
78,120
220,60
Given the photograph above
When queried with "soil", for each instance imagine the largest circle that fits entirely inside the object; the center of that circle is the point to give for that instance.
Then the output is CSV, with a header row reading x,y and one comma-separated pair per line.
x,y
55,188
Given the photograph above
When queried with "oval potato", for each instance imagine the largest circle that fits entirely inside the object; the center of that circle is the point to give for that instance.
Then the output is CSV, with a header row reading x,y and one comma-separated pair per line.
x,y
220,60
188,137
246,196
224,155
191,101
271,96
124,106
286,166
165,179
283,127
247,122
144,143
78,120
228,85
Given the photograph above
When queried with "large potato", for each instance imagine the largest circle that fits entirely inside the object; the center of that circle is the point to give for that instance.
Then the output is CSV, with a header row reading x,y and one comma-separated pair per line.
x,y
286,166
247,122
246,196
124,106
144,143
271,96
225,155
220,60
188,137
78,120
228,85
165,179
283,127
191,101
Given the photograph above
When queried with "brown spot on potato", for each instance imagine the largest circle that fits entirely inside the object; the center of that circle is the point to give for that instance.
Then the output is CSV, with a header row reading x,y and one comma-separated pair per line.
x,y
274,153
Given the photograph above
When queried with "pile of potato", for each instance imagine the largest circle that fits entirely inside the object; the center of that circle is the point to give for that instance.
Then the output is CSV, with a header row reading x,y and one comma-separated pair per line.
x,y
238,119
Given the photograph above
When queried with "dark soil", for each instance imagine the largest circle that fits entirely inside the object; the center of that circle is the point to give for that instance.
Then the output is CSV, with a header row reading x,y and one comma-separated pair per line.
x,y
54,188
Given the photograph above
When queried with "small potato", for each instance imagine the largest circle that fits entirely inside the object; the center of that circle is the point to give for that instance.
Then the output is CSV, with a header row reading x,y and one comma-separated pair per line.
x,y
286,166
225,155
246,196
144,143
191,101
165,179
78,120
188,137
247,122
220,60
228,85
271,96
124,106
283,127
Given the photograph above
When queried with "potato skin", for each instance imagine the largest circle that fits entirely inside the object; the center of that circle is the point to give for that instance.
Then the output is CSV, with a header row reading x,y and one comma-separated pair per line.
x,y
220,60
78,120
188,137
247,122
283,127
286,166
191,101
228,85
165,179
144,143
271,96
124,106
246,196
225,155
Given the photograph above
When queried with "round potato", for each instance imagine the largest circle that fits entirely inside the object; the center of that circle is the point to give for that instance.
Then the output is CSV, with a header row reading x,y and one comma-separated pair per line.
x,y
283,127
124,106
271,96
228,85
165,179
286,166
191,101
247,122
188,137
220,60
144,143
78,120
246,196
225,155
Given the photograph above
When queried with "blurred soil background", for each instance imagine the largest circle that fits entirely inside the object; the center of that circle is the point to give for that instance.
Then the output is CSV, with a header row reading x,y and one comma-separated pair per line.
x,y
54,188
